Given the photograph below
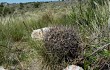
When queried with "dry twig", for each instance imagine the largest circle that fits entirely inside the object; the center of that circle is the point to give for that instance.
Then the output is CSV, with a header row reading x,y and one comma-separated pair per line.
x,y
100,48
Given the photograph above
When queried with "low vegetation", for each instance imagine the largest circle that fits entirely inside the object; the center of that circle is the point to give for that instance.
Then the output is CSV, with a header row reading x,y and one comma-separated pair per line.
x,y
89,18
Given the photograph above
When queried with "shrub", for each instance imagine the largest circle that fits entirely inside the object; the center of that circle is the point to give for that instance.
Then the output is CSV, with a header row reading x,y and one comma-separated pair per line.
x,y
37,4
6,11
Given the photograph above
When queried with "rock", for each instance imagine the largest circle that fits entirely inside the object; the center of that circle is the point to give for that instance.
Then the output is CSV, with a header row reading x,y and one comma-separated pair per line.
x,y
1,68
73,67
39,33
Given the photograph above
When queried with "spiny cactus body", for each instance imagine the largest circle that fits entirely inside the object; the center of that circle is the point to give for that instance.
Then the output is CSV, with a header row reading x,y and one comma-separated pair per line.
x,y
62,43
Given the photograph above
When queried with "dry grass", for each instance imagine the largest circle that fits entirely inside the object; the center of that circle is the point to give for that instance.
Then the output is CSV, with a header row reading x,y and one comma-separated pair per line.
x,y
91,23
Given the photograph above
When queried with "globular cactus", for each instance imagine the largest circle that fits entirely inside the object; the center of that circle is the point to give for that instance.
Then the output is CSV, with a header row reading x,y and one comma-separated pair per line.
x,y
62,44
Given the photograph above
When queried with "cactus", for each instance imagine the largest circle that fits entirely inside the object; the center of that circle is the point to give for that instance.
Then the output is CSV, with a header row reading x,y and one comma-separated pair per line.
x,y
62,44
